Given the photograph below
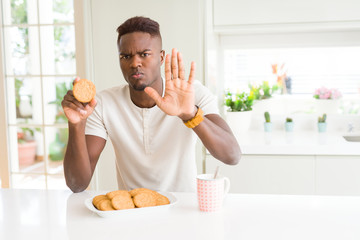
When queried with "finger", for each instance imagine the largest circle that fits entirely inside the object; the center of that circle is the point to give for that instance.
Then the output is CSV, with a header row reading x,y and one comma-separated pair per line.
x,y
192,73
92,103
70,98
91,106
70,93
154,95
174,64
75,105
76,80
167,68
181,66
81,109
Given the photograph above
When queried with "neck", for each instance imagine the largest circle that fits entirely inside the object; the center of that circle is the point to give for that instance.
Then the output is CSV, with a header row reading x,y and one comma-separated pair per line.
x,y
142,100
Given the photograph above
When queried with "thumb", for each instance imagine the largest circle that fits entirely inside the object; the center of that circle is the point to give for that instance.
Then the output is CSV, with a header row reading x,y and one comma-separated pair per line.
x,y
90,106
92,103
154,95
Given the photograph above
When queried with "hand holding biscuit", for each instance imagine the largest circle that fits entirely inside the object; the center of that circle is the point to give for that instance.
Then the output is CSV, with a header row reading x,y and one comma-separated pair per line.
x,y
79,103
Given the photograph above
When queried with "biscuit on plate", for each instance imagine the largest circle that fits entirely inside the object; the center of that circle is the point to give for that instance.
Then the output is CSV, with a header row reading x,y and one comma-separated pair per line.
x,y
112,194
84,90
97,199
139,190
144,199
122,201
161,200
105,205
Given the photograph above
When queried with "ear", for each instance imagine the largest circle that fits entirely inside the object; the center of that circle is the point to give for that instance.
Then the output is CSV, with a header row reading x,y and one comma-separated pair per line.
x,y
162,56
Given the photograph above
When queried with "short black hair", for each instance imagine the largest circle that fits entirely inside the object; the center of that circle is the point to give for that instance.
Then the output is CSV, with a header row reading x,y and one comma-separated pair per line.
x,y
139,24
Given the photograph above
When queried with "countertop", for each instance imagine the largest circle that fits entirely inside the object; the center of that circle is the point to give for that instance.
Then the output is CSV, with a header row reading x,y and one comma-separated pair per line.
x,y
59,214
297,143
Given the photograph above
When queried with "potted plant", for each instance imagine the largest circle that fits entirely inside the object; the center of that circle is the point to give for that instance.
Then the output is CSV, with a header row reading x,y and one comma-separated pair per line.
x,y
289,125
267,123
322,123
327,100
263,91
238,112
26,146
262,94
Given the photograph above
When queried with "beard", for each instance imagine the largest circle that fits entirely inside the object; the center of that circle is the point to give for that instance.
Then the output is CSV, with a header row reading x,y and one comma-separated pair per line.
x,y
140,87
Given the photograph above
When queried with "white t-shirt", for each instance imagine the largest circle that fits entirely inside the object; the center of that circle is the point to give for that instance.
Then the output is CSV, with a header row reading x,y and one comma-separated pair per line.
x,y
153,150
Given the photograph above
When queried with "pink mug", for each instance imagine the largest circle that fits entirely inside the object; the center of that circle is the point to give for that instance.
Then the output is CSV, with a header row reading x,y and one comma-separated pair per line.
x,y
211,192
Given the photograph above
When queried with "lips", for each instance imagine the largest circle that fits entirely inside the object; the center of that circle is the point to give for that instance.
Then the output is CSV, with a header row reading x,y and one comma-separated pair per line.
x,y
137,75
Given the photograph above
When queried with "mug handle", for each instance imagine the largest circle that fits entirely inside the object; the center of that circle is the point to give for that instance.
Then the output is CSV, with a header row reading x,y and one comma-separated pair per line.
x,y
226,186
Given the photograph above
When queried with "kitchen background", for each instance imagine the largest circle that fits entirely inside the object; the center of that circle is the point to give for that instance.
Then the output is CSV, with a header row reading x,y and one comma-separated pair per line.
x,y
277,52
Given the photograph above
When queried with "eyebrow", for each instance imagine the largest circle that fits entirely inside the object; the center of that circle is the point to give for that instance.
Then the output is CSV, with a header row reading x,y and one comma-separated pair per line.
x,y
124,53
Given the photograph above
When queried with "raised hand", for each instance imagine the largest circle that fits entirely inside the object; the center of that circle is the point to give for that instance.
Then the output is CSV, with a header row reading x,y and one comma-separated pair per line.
x,y
179,94
74,110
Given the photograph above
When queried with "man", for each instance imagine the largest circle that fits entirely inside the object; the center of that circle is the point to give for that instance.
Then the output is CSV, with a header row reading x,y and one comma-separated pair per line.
x,y
152,122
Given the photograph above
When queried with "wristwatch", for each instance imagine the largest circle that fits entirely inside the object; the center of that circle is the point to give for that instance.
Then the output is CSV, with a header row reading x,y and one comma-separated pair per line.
x,y
195,120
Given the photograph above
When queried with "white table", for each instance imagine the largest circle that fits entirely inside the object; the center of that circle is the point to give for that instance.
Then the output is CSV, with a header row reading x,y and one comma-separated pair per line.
x,y
59,214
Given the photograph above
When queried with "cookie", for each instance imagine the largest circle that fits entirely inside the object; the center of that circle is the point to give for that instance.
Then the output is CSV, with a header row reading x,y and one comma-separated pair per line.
x,y
122,201
112,194
144,199
105,205
97,199
161,200
84,90
139,190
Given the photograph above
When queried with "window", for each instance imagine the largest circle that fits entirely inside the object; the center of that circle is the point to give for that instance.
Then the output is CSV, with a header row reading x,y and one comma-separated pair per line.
x,y
308,68
40,65
311,59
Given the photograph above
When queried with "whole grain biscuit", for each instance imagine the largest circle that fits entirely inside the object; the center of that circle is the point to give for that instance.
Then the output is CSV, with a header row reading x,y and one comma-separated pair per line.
x,y
139,190
161,200
97,199
84,90
112,194
122,201
105,205
144,199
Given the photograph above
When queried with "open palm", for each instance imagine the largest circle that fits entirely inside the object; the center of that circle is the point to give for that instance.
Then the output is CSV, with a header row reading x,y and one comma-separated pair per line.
x,y
179,94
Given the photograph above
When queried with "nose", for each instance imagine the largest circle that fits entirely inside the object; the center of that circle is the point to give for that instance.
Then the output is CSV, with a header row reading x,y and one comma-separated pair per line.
x,y
135,61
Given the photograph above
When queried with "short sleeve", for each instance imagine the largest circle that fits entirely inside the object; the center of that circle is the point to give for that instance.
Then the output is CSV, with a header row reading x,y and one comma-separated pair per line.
x,y
95,122
205,99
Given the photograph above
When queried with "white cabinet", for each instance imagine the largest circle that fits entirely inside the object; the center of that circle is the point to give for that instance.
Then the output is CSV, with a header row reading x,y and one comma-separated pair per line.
x,y
289,174
268,174
337,175
250,12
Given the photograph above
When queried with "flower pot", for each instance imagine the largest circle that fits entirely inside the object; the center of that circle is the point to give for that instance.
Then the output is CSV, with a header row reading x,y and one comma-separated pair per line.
x,y
289,126
322,126
27,153
239,122
267,126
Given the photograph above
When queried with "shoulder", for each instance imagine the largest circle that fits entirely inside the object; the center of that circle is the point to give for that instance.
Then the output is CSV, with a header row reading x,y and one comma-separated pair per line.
x,y
205,99
200,89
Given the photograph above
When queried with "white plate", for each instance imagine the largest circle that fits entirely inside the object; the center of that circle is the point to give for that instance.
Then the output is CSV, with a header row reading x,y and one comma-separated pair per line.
x,y
134,211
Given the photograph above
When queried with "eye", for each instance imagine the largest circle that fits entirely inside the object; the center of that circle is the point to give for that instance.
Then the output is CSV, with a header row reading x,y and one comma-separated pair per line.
x,y
125,57
145,54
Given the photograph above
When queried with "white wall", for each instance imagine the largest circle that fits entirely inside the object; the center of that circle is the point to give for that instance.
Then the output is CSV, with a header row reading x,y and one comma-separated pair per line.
x,y
181,24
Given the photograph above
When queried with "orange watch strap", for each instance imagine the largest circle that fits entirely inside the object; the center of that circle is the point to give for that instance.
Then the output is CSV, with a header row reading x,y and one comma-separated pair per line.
x,y
195,120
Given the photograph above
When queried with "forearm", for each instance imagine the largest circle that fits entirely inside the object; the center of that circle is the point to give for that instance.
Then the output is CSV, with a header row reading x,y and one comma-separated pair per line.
x,y
217,137
77,166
